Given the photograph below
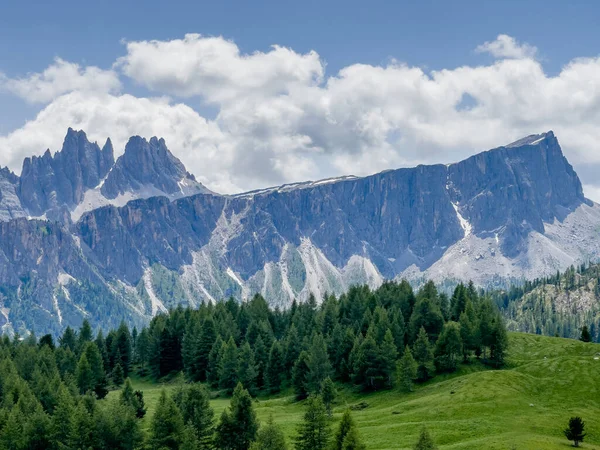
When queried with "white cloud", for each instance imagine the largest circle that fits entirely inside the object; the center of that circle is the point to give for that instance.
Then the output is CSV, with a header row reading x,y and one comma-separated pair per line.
x,y
281,119
60,78
215,68
507,47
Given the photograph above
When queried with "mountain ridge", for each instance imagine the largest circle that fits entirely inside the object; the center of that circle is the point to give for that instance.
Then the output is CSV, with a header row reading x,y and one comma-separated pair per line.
x,y
496,216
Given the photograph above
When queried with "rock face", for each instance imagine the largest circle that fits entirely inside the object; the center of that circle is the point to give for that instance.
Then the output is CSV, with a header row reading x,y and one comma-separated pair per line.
x,y
10,204
52,181
150,166
511,212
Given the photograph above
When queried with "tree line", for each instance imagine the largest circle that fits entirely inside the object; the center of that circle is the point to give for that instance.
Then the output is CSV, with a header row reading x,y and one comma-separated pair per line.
x,y
51,393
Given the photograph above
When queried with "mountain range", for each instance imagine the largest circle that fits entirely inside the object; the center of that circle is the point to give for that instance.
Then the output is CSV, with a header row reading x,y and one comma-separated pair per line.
x,y
85,235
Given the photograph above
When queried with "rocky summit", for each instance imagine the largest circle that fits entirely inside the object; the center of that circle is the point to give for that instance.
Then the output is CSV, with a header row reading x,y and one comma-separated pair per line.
x,y
83,235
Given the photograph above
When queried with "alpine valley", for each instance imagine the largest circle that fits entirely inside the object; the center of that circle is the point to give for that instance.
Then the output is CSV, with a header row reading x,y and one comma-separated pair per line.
x,y
83,235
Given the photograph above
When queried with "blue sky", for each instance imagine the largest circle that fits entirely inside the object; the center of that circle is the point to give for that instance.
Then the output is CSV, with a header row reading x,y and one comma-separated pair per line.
x,y
252,135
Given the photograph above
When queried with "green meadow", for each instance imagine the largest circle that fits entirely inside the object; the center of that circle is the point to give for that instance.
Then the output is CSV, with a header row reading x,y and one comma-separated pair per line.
x,y
524,406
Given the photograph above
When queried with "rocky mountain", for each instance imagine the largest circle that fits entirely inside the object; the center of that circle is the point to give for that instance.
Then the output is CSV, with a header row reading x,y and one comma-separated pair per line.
x,y
511,213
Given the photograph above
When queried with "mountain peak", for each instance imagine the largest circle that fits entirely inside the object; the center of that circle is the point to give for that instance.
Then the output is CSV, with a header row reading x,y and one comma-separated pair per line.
x,y
532,139
149,167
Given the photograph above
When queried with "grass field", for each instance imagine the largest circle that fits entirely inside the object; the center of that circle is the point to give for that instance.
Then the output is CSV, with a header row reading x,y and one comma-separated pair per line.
x,y
525,406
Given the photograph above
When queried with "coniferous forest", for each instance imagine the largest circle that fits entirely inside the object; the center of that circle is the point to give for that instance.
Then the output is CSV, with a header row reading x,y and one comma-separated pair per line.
x,y
52,391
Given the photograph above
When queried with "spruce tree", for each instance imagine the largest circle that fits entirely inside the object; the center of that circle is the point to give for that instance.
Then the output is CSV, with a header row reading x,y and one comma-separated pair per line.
x,y
318,364
423,355
313,431
238,425
194,403
575,431
498,342
269,437
84,375
166,427
212,371
228,367
407,371
118,377
328,394
275,368
448,348
585,335
133,399
94,357
300,376
59,426
261,356
388,353
247,369
81,429
353,441
346,424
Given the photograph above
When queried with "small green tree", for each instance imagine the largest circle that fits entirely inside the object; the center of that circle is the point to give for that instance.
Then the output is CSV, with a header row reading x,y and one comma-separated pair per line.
x,y
407,371
313,432
352,441
118,377
585,335
328,393
575,431
166,428
425,441
194,403
133,399
423,355
247,368
269,437
238,425
346,424
318,364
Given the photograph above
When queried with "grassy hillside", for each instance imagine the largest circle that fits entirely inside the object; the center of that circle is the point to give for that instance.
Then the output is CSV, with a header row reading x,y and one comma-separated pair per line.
x,y
524,406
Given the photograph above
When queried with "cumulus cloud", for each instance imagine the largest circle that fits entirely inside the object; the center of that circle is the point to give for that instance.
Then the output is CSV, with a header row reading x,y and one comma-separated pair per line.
x,y
60,78
507,47
214,68
281,118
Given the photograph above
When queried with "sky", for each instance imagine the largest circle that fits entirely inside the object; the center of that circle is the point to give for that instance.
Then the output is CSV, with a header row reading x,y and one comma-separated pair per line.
x,y
255,94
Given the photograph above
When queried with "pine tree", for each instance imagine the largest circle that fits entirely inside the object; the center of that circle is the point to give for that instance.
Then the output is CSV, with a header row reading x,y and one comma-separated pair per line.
x,y
167,427
575,431
318,364
468,330
269,437
407,370
212,371
133,399
117,375
313,432
84,375
189,440
300,375
388,353
498,342
448,348
425,441
423,355
194,403
275,368
585,335
94,357
228,367
346,424
59,428
261,357
85,333
189,348
328,394
247,369
81,429
353,441
238,426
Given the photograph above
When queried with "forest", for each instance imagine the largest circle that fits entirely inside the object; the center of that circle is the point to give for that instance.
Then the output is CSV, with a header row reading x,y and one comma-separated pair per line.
x,y
53,391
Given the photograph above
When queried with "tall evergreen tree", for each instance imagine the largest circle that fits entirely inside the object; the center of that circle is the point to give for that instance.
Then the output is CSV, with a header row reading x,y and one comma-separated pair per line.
x,y
313,431
247,368
300,376
448,348
166,427
423,355
194,403
318,364
238,426
275,368
228,367
407,371
346,424
328,394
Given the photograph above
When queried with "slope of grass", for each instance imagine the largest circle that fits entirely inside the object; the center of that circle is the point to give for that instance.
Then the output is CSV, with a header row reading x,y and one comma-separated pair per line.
x,y
525,406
